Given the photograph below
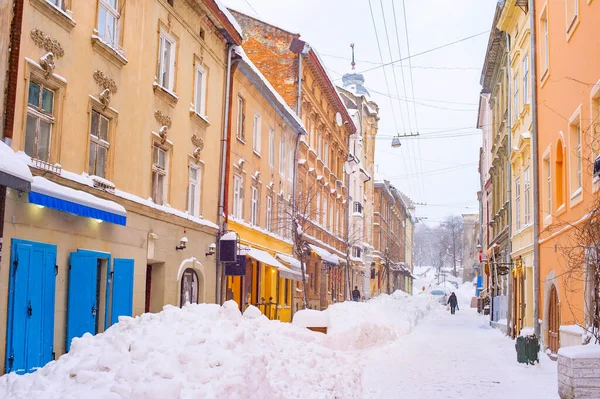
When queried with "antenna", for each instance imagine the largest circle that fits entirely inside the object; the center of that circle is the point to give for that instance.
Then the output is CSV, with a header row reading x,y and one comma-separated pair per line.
x,y
353,63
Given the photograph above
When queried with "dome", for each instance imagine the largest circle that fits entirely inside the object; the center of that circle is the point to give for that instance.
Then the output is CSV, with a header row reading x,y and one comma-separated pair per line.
x,y
355,82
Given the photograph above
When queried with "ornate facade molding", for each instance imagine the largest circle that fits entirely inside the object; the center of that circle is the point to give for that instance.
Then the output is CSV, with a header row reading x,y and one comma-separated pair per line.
x,y
109,86
44,41
199,145
165,122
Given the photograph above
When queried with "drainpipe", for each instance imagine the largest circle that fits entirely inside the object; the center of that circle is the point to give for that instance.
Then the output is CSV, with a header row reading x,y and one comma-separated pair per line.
x,y
222,223
536,177
509,186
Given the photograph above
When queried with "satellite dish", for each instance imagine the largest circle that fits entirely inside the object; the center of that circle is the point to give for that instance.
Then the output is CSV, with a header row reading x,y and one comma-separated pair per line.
x,y
338,119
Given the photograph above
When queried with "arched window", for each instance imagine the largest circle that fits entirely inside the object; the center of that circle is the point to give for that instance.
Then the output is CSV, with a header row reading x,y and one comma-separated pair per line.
x,y
560,176
189,287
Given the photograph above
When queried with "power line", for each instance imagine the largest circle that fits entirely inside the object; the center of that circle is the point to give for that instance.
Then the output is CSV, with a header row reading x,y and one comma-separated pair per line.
x,y
253,9
426,51
450,68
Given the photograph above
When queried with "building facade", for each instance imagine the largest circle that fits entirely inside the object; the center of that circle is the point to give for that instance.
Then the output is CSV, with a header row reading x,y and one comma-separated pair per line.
x,y
117,217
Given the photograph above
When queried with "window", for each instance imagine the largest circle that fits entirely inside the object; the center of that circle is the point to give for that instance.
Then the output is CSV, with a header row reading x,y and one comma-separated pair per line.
x,y
319,144
282,156
159,174
238,197
331,226
318,216
269,215
108,22
518,203
60,4
326,153
545,48
200,90
40,119
575,155
99,144
241,117
194,190
516,98
256,133
526,191
166,62
526,80
572,11
324,220
271,147
356,252
254,206
281,216
337,221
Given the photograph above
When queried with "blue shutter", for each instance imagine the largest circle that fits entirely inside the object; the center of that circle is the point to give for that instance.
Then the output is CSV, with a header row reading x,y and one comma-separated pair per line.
x,y
82,308
122,289
48,302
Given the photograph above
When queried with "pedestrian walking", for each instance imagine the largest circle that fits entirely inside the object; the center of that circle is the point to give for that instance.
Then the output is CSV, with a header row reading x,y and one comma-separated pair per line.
x,y
453,302
356,294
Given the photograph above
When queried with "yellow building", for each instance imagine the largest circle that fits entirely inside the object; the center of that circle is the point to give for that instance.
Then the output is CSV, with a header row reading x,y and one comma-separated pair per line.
x,y
120,120
514,20
264,130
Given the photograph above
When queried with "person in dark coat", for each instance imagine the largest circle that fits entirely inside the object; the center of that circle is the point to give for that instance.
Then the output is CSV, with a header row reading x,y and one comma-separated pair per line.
x,y
453,302
355,294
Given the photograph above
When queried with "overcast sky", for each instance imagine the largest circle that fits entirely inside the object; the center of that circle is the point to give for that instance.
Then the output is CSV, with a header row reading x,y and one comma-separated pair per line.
x,y
439,168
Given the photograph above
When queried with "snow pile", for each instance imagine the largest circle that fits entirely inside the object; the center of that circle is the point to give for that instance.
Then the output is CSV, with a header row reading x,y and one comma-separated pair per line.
x,y
465,293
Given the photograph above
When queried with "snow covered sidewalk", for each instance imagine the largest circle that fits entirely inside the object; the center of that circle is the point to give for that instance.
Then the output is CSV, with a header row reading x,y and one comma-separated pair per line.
x,y
454,357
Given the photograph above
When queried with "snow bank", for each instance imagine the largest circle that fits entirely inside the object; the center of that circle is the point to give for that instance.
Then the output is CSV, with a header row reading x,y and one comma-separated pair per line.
x,y
211,351
580,352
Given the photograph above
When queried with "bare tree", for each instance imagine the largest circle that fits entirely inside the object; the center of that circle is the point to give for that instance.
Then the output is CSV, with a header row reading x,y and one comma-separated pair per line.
x,y
453,227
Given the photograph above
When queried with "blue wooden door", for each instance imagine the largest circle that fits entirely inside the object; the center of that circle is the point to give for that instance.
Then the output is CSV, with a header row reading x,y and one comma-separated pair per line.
x,y
122,289
30,332
82,308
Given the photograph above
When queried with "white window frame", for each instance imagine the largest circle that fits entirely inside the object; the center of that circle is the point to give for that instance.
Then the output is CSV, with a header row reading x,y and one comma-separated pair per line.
x,y
546,44
195,187
526,194
254,206
36,111
269,215
318,209
200,98
238,197
326,154
516,97
240,133
578,156
256,132
113,12
160,171
319,145
282,157
170,84
60,4
526,79
548,165
96,141
271,147
518,203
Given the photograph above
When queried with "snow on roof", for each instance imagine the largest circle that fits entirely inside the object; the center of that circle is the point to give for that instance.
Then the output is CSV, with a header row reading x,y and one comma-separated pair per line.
x,y
230,236
288,111
44,186
12,164
230,17
325,255
293,262
265,258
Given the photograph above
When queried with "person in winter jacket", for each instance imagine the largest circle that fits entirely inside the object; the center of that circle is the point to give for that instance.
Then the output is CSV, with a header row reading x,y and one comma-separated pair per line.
x,y
356,294
453,302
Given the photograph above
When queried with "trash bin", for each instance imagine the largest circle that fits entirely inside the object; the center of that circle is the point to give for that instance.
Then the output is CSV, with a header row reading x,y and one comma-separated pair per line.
x,y
528,348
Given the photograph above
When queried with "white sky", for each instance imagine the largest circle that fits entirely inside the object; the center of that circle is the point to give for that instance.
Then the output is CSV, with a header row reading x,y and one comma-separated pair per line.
x,y
439,170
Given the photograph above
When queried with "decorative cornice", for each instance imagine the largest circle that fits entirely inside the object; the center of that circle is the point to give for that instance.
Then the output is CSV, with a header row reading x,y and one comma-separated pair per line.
x,y
47,43
105,82
163,119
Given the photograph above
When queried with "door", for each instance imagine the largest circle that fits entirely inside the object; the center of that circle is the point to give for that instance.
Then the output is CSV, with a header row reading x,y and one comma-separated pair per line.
x,y
82,306
148,288
30,330
189,287
553,322
122,289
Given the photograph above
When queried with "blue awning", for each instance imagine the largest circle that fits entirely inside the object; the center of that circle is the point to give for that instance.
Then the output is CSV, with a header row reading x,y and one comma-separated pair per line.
x,y
65,199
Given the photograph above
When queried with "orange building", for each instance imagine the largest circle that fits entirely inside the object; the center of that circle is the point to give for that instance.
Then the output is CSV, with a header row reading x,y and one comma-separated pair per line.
x,y
568,73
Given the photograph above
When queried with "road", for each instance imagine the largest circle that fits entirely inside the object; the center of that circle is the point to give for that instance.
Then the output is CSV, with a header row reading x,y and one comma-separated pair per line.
x,y
455,357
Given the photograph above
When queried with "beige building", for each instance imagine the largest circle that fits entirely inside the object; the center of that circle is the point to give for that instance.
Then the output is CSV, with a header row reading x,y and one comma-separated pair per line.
x,y
119,114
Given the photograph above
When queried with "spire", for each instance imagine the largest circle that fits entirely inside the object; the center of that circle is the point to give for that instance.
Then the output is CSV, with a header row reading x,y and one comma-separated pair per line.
x,y
353,63
354,81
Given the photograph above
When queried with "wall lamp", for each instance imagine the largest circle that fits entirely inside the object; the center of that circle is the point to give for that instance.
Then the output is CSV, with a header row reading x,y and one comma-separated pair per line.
x,y
211,249
182,244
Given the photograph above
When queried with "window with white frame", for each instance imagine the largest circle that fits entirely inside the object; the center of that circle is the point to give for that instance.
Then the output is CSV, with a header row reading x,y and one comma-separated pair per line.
x,y
331,227
194,190
516,97
575,161
200,90
526,80
526,193
318,209
269,215
282,156
241,117
256,133
254,206
319,144
326,153
99,144
545,46
572,12
160,162
108,22
547,166
290,167
271,147
40,121
324,220
60,4
280,216
238,197
518,203
166,61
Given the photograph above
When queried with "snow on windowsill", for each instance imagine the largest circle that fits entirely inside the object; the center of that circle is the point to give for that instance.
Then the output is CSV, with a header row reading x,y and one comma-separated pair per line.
x,y
163,90
202,119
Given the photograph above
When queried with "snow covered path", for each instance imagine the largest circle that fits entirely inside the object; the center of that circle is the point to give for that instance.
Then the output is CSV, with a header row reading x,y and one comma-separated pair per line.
x,y
455,357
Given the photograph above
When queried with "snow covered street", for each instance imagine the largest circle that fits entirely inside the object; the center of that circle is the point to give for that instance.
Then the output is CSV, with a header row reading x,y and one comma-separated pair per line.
x,y
452,357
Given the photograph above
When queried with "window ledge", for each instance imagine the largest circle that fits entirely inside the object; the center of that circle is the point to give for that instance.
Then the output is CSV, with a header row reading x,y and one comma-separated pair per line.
x,y
596,183
107,51
576,197
63,18
561,209
165,94
241,140
257,153
544,77
200,119
572,27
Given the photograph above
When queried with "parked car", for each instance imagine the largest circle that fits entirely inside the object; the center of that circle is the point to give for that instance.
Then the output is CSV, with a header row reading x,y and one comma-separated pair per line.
x,y
440,295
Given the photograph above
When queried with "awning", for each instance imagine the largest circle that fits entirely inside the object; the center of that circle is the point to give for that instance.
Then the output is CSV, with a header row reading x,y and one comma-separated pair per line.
x,y
265,258
295,268
325,255
65,199
14,173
